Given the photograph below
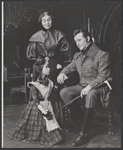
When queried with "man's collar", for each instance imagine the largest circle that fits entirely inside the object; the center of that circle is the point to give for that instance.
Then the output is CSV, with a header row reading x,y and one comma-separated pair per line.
x,y
91,50
86,49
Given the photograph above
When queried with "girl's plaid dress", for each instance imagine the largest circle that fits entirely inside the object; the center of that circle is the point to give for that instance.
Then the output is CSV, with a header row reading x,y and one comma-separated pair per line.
x,y
32,127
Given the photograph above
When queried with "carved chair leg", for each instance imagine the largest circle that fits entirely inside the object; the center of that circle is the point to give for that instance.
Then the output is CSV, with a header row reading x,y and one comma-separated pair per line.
x,y
110,126
110,117
110,120
66,119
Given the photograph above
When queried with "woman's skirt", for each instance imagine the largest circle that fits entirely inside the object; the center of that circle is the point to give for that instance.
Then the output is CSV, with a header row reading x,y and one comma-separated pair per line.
x,y
31,127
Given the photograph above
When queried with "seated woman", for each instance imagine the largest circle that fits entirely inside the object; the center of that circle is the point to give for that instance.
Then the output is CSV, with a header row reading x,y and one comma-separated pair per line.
x,y
37,122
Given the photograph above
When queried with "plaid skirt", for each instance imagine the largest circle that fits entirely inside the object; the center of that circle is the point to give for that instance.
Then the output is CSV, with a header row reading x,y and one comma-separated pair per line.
x,y
31,127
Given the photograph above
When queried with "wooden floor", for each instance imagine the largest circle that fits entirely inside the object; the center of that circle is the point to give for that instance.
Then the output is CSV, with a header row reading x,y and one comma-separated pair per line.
x,y
99,136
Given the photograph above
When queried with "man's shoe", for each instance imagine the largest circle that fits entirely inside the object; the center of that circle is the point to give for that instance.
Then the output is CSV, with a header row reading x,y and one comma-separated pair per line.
x,y
82,139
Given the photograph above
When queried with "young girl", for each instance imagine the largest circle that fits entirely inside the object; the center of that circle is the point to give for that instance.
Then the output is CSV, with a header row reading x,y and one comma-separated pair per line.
x,y
38,123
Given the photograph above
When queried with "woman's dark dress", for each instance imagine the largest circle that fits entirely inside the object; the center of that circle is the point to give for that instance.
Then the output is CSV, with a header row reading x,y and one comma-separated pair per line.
x,y
31,127
48,43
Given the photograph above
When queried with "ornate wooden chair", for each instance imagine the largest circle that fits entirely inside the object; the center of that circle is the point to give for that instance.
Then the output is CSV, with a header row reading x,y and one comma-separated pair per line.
x,y
17,82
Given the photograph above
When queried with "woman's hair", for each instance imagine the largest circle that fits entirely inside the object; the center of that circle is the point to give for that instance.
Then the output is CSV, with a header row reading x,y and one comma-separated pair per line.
x,y
44,12
84,32
38,73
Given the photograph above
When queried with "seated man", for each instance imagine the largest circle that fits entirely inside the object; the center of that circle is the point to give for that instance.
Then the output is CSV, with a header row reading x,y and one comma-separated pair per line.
x,y
92,65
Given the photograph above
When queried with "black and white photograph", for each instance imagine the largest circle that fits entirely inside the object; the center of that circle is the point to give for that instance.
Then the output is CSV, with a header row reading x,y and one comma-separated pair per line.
x,y
61,74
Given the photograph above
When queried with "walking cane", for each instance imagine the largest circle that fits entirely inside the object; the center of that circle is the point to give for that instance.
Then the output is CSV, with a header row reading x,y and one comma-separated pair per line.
x,y
96,86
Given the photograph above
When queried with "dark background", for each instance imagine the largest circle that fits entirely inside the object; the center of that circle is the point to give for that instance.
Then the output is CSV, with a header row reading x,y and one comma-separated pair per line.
x,y
21,21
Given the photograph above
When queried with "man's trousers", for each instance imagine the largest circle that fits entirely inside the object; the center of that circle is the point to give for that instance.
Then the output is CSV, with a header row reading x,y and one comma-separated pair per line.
x,y
92,99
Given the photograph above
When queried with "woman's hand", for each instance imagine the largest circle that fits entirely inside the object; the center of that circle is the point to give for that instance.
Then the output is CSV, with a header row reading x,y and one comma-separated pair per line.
x,y
59,66
61,78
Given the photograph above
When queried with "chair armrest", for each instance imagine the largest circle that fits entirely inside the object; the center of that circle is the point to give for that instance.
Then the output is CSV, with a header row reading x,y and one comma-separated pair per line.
x,y
105,82
108,84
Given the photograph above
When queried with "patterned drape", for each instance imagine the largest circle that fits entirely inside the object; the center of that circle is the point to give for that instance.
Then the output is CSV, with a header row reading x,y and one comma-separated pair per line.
x,y
19,13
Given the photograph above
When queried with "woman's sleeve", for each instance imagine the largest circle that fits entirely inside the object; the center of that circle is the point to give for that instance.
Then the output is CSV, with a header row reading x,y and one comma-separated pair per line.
x,y
64,50
31,52
64,45
34,95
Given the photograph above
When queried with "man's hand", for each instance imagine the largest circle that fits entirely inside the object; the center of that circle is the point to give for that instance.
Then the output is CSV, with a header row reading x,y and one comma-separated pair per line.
x,y
59,66
61,78
85,90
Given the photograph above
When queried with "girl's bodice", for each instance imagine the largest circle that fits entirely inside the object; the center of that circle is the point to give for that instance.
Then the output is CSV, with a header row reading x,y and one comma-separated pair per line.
x,y
45,104
45,91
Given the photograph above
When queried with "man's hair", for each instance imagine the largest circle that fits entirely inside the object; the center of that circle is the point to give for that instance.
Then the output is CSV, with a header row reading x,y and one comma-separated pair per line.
x,y
84,32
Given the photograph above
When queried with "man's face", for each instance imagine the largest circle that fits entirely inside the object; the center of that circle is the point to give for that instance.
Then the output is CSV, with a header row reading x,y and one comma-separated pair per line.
x,y
81,41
